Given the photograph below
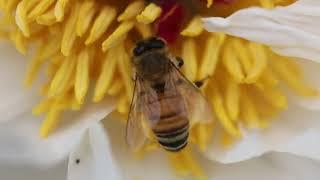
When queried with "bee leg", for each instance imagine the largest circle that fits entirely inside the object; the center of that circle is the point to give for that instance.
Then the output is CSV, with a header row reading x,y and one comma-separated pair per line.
x,y
134,76
200,83
179,61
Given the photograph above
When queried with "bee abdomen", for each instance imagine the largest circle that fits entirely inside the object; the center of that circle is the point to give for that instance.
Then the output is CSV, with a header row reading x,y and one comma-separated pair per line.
x,y
174,140
172,128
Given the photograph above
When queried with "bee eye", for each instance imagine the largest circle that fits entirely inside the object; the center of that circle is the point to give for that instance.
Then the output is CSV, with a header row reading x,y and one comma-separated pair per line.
x,y
140,48
147,45
156,43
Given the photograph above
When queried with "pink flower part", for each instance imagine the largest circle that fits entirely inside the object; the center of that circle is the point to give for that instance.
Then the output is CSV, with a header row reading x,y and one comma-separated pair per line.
x,y
169,24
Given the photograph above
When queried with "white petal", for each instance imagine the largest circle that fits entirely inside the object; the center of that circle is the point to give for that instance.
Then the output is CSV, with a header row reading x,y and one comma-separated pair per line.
x,y
296,131
15,99
19,139
275,166
311,71
155,166
312,104
92,158
291,31
21,144
22,172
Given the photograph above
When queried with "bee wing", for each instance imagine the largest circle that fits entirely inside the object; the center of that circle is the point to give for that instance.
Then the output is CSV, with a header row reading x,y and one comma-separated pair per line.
x,y
198,108
136,133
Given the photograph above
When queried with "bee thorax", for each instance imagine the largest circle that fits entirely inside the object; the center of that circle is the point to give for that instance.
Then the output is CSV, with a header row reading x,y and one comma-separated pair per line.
x,y
153,66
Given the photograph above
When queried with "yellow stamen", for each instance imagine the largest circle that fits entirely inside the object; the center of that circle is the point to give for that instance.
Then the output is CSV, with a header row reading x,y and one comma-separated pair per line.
x,y
203,133
232,98
226,122
243,54
149,14
19,41
177,164
62,80
9,6
47,18
152,146
144,30
248,111
232,64
122,105
55,108
211,55
82,76
21,15
267,3
86,15
74,104
21,18
106,75
259,64
274,96
101,24
190,57
209,3
50,122
131,11
265,109
226,140
194,28
48,49
115,87
184,163
59,9
69,36
118,35
123,64
267,79
42,107
3,34
52,70
40,8
280,66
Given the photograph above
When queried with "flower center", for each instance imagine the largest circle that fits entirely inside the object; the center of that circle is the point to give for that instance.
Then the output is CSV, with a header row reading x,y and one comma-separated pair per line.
x,y
88,44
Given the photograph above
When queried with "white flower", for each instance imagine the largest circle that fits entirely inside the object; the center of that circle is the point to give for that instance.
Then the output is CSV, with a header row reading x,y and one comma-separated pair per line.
x,y
290,31
95,154
96,151
19,129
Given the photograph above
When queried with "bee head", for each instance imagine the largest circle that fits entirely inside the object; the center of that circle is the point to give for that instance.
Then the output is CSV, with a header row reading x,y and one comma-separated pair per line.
x,y
152,43
151,58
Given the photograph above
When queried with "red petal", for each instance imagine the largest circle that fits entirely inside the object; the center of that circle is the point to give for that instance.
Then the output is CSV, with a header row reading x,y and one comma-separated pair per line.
x,y
168,26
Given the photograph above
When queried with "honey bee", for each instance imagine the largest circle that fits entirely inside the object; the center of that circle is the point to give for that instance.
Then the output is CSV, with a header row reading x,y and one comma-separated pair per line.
x,y
163,98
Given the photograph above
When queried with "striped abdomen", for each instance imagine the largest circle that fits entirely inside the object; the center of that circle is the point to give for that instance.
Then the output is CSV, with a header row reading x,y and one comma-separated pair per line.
x,y
172,128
